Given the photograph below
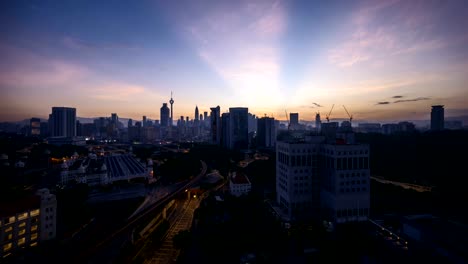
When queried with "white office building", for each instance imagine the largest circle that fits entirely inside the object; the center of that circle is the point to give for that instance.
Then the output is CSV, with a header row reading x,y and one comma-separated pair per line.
x,y
315,179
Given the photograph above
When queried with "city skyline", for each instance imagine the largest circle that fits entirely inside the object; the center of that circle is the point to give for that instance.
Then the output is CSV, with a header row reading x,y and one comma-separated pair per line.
x,y
384,60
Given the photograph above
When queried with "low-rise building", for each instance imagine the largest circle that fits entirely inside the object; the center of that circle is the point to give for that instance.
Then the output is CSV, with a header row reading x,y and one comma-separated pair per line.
x,y
27,221
239,184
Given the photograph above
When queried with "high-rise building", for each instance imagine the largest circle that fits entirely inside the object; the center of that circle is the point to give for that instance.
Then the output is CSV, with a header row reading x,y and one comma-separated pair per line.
x,y
165,115
238,128
114,118
62,122
294,119
252,123
144,121
196,113
318,122
316,179
266,132
215,125
35,126
130,122
437,117
225,130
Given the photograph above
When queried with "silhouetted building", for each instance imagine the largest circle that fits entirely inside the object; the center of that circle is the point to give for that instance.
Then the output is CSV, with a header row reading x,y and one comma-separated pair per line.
x,y
144,121
294,120
196,113
130,122
62,122
238,128
266,132
35,126
225,128
79,128
369,128
318,122
165,115
437,117
215,125
454,124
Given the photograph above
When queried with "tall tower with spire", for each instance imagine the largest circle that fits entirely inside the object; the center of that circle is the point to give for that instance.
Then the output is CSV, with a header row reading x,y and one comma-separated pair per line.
x,y
172,110
196,113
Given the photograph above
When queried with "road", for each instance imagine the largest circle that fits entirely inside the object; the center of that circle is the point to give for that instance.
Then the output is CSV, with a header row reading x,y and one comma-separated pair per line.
x,y
418,188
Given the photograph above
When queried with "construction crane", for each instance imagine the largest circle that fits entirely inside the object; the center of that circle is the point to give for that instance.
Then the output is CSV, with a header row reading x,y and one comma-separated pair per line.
x,y
328,116
287,118
350,116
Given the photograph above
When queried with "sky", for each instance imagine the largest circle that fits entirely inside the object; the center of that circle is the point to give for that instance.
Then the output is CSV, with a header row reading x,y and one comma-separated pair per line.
x,y
383,60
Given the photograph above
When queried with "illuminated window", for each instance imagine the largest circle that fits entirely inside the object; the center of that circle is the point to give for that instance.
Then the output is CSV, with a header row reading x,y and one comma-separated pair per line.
x,y
22,216
7,247
22,232
33,244
21,241
8,229
34,212
34,228
34,236
22,224
9,236
10,220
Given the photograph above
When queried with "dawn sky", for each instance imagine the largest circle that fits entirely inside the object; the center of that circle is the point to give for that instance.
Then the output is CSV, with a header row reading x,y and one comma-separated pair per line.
x,y
384,60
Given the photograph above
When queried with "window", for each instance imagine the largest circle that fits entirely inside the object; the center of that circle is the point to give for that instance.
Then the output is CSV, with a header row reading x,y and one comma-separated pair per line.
x,y
10,220
22,224
34,212
8,229
22,216
21,241
8,237
22,232
34,244
34,236
7,247
34,228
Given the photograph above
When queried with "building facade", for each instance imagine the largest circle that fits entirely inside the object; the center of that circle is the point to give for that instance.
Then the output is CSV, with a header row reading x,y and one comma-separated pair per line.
x,y
26,222
266,132
437,117
62,122
238,128
320,180
215,125
164,115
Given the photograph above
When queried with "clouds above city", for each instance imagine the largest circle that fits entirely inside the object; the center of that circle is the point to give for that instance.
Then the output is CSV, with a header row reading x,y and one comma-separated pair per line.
x,y
382,59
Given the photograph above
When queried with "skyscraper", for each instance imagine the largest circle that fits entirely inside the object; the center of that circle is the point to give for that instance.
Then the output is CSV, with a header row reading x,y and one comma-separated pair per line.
x,y
294,120
437,117
115,118
144,121
62,122
225,130
215,125
165,115
318,122
196,113
238,128
266,132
